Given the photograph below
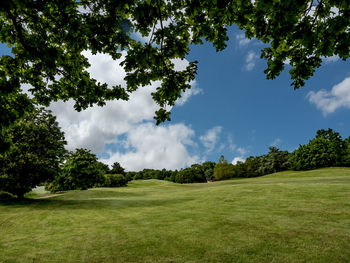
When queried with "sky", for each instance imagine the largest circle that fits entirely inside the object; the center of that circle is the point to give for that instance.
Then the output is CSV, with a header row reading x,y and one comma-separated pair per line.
x,y
231,110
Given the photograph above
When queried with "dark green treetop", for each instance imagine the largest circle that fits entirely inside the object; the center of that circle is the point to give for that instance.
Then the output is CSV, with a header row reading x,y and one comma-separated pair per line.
x,y
36,153
81,170
117,169
325,150
48,37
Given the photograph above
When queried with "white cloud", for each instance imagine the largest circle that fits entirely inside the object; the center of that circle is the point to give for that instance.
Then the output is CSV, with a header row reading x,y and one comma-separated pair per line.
x,y
242,40
250,60
179,65
242,152
210,138
95,126
150,146
237,159
330,101
146,145
195,90
331,59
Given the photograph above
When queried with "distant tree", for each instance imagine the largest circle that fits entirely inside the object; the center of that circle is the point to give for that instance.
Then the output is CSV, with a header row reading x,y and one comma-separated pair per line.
x,y
198,173
104,167
222,159
223,171
208,169
117,169
346,157
326,149
164,174
36,154
275,161
172,176
115,180
252,166
131,175
185,176
80,171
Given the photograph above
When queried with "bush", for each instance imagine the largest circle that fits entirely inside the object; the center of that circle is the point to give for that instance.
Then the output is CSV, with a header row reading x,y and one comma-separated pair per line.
x,y
223,171
346,157
80,172
185,176
325,150
36,153
115,180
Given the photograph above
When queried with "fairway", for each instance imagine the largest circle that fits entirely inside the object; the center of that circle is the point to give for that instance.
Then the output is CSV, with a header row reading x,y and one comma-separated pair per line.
x,y
284,217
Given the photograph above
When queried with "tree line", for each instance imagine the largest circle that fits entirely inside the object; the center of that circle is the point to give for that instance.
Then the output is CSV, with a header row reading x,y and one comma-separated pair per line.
x,y
37,156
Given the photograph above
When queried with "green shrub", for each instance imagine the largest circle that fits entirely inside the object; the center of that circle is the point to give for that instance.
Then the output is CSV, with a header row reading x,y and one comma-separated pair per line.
x,y
223,171
185,176
115,180
80,172
325,150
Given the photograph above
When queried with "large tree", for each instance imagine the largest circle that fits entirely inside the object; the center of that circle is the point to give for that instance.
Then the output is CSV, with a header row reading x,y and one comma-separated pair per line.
x,y
36,153
81,170
117,169
48,37
325,150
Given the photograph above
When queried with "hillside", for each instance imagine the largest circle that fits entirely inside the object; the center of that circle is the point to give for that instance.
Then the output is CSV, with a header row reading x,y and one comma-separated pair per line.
x,y
284,217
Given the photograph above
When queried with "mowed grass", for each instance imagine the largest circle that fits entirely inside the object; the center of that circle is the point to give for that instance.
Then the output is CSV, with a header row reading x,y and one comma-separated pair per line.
x,y
284,217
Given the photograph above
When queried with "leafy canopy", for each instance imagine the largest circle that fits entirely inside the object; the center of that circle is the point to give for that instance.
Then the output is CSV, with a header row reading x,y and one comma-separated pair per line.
x,y
48,37
325,150
81,170
36,153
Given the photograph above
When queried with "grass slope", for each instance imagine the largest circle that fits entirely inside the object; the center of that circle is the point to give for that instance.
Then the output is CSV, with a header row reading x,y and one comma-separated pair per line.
x,y
284,217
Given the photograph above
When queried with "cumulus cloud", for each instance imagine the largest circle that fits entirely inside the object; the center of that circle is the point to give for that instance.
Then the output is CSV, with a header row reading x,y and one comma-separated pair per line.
x,y
237,159
250,60
242,41
179,65
96,126
242,152
195,90
330,59
330,101
150,146
210,138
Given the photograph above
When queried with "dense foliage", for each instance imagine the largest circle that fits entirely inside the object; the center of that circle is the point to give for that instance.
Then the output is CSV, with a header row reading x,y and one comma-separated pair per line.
x,y
36,154
197,173
80,171
346,158
115,180
223,170
274,161
326,149
48,39
117,169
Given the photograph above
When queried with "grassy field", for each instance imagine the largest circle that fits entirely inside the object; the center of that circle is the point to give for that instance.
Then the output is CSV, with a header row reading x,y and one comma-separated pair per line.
x,y
284,217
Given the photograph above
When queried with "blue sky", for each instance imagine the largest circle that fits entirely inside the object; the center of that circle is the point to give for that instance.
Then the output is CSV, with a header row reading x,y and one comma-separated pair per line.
x,y
254,111
232,110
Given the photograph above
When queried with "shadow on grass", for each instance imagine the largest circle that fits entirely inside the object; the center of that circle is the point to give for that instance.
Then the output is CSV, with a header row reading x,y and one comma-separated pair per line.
x,y
106,200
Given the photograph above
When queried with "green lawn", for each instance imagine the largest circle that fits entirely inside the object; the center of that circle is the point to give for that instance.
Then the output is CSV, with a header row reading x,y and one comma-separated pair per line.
x,y
284,217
